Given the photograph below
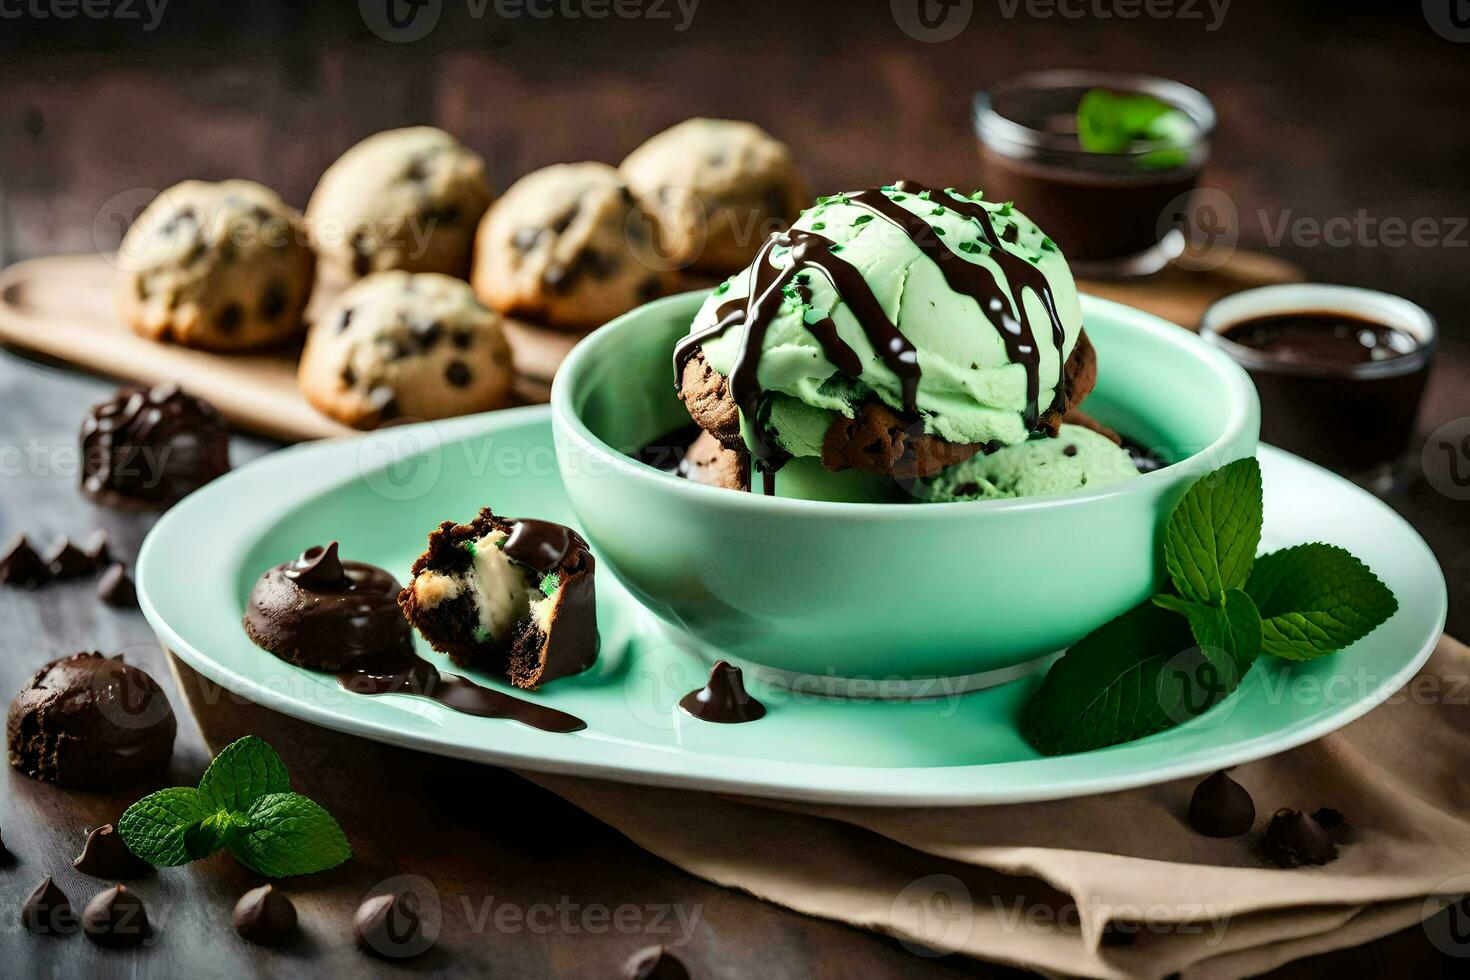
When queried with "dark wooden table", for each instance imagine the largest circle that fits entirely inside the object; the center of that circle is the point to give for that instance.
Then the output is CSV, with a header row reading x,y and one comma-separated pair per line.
x,y
1321,117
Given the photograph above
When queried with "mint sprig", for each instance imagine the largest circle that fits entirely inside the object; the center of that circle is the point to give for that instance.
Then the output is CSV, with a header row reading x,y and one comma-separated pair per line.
x,y
1184,651
1114,122
243,803
1316,599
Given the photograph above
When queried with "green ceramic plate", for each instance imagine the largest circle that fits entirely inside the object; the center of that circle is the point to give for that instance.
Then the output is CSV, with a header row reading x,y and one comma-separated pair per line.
x,y
381,493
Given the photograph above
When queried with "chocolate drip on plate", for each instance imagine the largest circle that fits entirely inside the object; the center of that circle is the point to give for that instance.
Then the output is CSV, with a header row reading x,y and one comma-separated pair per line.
x,y
422,679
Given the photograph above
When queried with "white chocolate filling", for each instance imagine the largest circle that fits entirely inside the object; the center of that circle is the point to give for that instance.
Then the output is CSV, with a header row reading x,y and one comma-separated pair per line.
x,y
504,592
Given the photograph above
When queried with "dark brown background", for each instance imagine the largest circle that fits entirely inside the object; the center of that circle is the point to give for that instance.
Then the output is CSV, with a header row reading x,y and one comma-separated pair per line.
x,y
1325,109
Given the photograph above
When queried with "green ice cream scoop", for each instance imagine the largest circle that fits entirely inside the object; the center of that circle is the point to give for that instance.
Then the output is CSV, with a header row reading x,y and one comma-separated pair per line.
x,y
956,310
1077,458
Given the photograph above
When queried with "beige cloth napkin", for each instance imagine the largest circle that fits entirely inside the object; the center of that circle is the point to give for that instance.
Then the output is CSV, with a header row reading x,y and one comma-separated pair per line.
x,y
1038,885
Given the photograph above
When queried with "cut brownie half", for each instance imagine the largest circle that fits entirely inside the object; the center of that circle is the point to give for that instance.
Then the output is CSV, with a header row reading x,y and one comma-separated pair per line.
x,y
510,596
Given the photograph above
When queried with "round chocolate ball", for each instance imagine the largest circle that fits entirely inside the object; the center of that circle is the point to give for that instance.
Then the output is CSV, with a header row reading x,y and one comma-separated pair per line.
x,y
152,447
91,722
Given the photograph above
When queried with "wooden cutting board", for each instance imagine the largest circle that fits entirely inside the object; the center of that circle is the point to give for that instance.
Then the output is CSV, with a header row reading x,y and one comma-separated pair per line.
x,y
62,307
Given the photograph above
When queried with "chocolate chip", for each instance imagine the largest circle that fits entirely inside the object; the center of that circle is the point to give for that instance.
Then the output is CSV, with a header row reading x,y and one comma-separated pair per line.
x,y
230,318
649,289
655,963
22,566
445,215
104,855
457,374
345,321
273,302
97,549
462,338
349,376
1221,807
385,401
362,260
564,222
1011,234
1069,450
1329,818
598,265
390,926
264,916
260,214
1294,838
428,334
46,911
556,278
416,171
116,917
66,560
116,589
1118,935
525,238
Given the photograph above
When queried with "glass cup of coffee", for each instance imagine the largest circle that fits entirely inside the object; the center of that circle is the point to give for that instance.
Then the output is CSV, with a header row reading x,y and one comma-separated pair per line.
x,y
1340,370
1106,162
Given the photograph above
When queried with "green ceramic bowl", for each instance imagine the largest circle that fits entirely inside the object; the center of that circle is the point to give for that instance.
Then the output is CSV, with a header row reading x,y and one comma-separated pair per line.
x,y
962,591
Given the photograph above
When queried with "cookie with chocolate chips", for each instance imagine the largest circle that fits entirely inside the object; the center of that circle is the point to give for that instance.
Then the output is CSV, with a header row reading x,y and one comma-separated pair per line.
x,y
568,247
402,199
719,188
511,596
223,266
405,345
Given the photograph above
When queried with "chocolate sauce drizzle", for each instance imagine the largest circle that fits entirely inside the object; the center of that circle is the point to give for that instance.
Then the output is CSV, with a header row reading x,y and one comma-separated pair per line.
x,y
541,545
755,311
422,679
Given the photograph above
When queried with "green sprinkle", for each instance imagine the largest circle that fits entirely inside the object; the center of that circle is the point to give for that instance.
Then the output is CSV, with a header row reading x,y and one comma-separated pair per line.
x,y
973,248
1047,245
818,225
938,230
836,248
482,635
900,197
924,195
1006,208
468,546
862,219
722,288
550,584
937,211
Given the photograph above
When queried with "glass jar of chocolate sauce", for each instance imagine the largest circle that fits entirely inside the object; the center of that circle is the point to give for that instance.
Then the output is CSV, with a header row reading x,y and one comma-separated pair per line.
x,y
1111,213
1340,370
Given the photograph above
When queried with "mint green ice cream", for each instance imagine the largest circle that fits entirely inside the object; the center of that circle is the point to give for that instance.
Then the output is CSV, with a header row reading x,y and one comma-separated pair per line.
x,y
1078,458
989,353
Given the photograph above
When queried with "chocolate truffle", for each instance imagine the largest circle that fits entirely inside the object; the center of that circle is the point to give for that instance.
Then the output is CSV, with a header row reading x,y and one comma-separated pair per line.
x,y
510,596
1221,807
152,448
91,722
724,699
655,963
46,911
1294,838
390,926
21,566
105,855
116,917
265,917
322,613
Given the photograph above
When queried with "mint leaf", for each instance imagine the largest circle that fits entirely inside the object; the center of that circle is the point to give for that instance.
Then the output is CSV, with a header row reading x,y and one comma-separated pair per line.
x,y
1128,678
243,772
1112,122
158,827
1211,539
1316,599
287,834
1232,629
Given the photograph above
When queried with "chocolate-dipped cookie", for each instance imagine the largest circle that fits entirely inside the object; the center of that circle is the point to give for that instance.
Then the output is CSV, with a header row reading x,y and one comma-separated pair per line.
x,y
512,596
152,447
90,721
322,613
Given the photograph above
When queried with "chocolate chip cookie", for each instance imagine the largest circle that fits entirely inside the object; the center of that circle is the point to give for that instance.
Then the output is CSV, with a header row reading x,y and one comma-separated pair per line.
x,y
221,266
405,345
402,199
719,188
568,247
